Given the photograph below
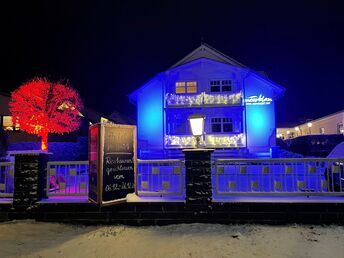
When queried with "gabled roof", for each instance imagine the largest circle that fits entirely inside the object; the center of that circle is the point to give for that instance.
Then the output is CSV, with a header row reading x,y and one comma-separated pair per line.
x,y
133,95
206,51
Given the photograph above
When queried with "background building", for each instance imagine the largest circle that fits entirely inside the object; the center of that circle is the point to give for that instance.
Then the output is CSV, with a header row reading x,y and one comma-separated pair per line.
x,y
330,124
238,103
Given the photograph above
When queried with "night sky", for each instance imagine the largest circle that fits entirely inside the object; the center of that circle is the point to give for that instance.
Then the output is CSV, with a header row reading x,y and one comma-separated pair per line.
x,y
106,49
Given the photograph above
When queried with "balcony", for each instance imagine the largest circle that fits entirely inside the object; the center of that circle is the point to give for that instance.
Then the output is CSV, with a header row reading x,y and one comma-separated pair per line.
x,y
209,141
203,100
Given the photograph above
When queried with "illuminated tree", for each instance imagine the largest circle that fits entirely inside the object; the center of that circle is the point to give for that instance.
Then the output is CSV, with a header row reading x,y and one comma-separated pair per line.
x,y
42,107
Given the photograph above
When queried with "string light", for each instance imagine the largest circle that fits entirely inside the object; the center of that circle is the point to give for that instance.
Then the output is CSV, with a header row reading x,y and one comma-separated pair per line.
x,y
182,141
203,99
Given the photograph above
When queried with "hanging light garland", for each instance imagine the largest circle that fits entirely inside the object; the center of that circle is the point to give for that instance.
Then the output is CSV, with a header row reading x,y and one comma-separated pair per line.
x,y
203,99
225,141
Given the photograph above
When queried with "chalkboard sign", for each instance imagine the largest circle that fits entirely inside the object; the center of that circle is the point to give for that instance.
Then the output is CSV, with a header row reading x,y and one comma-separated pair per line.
x,y
116,158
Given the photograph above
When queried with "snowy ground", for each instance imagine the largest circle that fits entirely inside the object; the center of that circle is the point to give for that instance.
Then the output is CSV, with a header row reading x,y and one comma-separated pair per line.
x,y
36,239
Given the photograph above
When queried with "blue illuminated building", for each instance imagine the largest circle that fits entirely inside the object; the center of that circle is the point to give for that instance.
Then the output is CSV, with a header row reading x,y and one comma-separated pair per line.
x,y
238,103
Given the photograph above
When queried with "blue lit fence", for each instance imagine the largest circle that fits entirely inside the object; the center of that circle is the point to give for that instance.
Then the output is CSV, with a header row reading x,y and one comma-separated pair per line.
x,y
160,177
317,176
6,179
67,178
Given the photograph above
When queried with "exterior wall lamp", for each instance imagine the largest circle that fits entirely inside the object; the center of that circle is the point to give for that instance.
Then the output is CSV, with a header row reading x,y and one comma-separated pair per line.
x,y
309,127
297,129
197,127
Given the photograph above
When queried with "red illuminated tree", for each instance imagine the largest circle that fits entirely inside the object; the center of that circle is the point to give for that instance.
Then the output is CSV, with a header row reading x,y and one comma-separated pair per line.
x,y
42,107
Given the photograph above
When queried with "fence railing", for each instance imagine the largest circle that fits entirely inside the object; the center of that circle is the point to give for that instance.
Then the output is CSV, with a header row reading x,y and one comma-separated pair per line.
x,y
6,179
302,176
160,177
67,178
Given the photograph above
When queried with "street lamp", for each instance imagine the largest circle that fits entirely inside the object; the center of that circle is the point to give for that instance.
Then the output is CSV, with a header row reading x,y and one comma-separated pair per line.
x,y
197,126
309,124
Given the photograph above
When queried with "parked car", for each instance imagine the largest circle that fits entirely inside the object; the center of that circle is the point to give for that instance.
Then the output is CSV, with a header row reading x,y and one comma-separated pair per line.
x,y
334,172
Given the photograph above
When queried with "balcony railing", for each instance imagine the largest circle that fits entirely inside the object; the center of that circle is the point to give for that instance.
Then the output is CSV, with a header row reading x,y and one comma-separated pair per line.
x,y
202,99
209,140
160,177
303,176
6,179
67,178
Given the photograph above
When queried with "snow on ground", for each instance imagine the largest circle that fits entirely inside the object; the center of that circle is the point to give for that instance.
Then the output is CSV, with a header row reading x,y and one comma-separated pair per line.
x,y
38,239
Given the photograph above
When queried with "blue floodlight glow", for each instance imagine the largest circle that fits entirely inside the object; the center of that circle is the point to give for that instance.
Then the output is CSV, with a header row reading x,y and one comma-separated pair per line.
x,y
150,116
260,115
247,110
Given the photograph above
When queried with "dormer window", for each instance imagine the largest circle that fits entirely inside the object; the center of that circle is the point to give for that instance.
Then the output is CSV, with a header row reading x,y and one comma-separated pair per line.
x,y
220,85
186,87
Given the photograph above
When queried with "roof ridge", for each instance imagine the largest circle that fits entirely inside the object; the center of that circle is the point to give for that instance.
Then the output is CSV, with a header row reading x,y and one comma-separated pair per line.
x,y
218,55
222,54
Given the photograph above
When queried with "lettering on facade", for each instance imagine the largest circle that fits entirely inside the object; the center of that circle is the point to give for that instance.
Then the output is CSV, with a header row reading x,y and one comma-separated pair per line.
x,y
258,100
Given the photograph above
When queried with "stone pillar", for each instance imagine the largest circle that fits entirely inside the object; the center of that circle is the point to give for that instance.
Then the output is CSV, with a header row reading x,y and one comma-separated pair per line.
x,y
30,179
198,179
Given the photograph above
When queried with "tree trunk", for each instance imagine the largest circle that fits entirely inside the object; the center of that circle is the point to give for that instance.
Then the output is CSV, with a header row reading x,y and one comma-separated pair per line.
x,y
44,146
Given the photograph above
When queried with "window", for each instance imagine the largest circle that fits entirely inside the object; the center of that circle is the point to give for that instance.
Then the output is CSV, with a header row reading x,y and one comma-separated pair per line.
x,y
220,85
180,87
340,128
226,85
216,125
186,87
227,125
322,130
215,86
191,87
222,125
7,123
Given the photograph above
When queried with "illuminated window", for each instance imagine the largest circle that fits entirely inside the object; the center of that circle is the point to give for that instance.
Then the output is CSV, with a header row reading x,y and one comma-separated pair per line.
x,y
180,87
322,130
220,85
191,87
7,123
340,128
186,87
222,125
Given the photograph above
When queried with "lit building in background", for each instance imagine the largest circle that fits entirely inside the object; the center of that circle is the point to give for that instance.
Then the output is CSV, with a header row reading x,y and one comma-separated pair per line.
x,y
237,102
330,124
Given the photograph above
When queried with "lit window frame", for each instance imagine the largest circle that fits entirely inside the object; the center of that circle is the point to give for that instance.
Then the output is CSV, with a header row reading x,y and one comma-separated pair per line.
x,y
183,87
10,126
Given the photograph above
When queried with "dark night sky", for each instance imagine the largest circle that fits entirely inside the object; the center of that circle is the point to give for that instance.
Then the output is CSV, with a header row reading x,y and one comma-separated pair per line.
x,y
109,48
